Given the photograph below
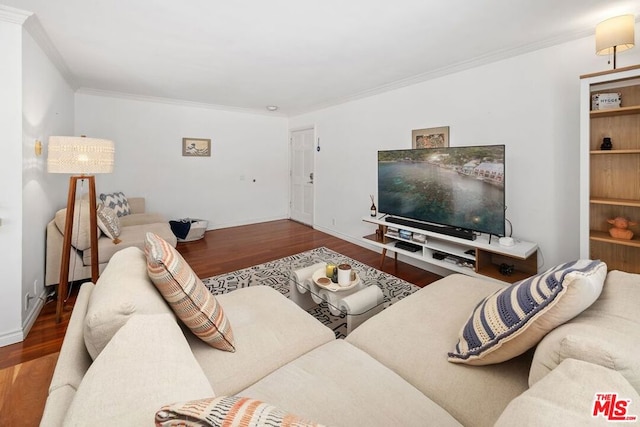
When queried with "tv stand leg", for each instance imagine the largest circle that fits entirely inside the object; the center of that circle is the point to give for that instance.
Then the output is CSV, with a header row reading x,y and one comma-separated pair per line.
x,y
384,256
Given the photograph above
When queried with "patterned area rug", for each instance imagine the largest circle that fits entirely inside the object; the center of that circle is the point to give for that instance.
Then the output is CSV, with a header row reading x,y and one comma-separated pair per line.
x,y
277,274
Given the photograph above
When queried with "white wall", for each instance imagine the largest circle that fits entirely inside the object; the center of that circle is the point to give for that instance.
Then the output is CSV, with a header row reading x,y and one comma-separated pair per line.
x,y
10,179
47,110
36,102
530,103
221,188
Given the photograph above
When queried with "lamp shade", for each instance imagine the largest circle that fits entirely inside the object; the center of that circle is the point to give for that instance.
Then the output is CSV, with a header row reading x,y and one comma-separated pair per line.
x,y
618,32
80,155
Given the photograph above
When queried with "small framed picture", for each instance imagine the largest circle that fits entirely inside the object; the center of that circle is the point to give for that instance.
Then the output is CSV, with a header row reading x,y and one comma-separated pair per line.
x,y
430,138
196,147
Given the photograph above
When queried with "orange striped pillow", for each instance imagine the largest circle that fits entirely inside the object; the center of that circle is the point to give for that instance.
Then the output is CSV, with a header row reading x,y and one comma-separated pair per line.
x,y
228,410
186,294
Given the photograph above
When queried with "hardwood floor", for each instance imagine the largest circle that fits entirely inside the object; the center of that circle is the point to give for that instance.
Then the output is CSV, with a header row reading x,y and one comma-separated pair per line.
x,y
233,248
26,367
23,391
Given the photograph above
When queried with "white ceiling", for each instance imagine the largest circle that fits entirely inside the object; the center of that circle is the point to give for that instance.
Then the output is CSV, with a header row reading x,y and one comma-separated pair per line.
x,y
297,54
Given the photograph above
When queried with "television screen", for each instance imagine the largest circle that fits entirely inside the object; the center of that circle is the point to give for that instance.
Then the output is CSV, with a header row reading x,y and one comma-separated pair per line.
x,y
461,187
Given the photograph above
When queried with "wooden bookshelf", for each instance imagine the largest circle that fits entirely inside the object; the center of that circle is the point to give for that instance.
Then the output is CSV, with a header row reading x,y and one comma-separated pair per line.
x,y
610,179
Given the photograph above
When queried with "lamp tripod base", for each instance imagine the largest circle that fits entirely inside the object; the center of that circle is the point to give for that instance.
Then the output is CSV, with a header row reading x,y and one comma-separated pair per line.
x,y
63,285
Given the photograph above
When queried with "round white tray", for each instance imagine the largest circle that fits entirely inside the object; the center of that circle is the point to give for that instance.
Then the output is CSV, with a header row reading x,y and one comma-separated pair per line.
x,y
334,287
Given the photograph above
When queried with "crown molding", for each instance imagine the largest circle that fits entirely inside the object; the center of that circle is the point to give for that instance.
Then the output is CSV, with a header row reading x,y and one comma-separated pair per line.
x,y
450,69
178,102
13,15
420,78
31,24
35,29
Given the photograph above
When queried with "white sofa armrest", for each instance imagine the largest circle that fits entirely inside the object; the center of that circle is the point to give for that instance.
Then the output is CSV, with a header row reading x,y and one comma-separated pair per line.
x,y
74,359
73,363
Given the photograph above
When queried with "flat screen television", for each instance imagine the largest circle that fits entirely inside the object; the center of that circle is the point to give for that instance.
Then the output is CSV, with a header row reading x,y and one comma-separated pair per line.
x,y
459,187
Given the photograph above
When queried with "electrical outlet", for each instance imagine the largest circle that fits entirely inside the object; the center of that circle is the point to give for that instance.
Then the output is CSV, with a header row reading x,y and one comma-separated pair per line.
x,y
35,287
333,221
27,300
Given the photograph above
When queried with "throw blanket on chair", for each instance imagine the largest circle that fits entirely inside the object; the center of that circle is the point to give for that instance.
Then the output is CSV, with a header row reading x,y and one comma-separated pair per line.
x,y
181,228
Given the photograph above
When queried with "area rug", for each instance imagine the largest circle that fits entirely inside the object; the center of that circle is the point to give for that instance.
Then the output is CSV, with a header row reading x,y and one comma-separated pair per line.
x,y
277,275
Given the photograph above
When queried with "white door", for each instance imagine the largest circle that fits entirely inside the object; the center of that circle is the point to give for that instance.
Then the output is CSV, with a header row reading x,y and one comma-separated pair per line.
x,y
302,146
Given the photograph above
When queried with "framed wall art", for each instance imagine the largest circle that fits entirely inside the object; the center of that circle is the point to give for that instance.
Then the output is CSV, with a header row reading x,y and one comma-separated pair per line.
x,y
196,147
430,138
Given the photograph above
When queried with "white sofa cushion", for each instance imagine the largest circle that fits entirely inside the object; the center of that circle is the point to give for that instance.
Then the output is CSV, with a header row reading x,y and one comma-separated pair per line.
x,y
514,319
569,396
146,364
607,333
339,384
123,289
269,329
142,219
412,338
130,236
80,235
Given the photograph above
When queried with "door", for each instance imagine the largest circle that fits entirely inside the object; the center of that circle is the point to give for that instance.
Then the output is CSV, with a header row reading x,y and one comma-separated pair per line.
x,y
302,194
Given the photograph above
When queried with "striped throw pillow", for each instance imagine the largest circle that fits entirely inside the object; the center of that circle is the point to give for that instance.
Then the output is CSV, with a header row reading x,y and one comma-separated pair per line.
x,y
514,319
227,411
108,222
186,294
118,202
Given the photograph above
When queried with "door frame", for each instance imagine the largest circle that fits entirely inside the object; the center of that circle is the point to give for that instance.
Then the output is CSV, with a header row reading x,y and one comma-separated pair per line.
x,y
314,128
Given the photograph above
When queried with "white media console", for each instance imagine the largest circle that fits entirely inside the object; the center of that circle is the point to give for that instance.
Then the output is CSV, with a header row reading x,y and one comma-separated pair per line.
x,y
479,257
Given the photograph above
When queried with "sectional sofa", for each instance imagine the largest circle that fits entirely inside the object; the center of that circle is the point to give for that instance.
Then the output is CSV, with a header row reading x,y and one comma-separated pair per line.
x,y
128,360
132,228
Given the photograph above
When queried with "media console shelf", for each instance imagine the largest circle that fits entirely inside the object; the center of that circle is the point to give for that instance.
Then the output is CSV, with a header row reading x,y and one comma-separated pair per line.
x,y
478,257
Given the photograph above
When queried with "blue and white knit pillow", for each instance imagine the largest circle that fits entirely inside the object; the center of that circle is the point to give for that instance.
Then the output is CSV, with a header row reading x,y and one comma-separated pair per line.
x,y
512,320
116,201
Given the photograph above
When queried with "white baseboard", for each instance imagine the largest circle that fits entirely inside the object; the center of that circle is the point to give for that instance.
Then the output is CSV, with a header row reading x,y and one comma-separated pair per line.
x,y
20,334
34,313
11,338
246,222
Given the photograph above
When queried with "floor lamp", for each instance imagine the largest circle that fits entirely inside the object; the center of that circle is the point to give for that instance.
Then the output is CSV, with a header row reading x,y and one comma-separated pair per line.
x,y
615,35
82,157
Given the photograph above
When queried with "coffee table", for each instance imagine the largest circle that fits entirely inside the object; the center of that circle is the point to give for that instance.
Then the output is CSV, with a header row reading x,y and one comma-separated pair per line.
x,y
356,302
